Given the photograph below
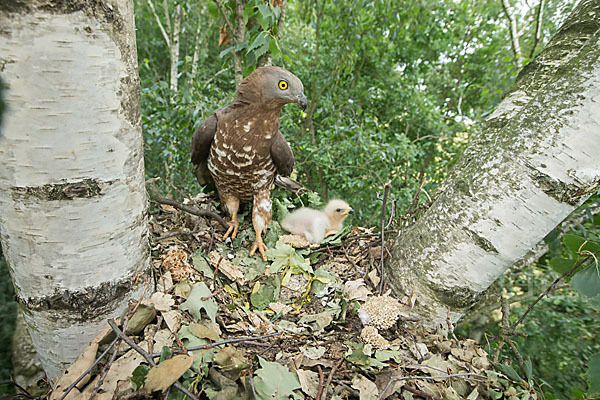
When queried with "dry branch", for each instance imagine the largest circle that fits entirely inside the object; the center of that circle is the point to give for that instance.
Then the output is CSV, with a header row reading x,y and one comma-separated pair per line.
x,y
158,198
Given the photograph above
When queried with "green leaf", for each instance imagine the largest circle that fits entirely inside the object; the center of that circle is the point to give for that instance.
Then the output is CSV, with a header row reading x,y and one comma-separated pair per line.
x,y
528,368
274,47
593,374
587,282
202,265
579,245
249,11
317,322
202,356
359,354
265,17
138,376
508,370
195,302
225,52
562,265
323,280
142,317
258,41
267,293
274,381
165,354
336,240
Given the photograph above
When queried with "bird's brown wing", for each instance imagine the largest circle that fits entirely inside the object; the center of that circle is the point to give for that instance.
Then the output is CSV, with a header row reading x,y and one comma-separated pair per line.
x,y
283,158
201,142
282,155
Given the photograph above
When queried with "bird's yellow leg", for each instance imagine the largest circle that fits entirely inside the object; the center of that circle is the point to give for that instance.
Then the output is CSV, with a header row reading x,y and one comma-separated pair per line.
x,y
260,245
233,228
232,205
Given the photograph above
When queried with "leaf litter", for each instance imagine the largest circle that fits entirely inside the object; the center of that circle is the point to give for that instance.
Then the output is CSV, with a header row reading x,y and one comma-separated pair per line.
x,y
306,324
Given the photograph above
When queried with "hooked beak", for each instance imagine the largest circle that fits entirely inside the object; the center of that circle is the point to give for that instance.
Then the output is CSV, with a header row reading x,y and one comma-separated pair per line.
x,y
302,101
348,211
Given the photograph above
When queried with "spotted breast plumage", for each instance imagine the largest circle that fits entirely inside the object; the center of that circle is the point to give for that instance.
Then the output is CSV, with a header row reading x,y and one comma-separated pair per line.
x,y
242,149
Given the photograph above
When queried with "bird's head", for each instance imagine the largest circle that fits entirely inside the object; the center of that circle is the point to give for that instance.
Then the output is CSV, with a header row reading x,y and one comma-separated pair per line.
x,y
337,210
274,86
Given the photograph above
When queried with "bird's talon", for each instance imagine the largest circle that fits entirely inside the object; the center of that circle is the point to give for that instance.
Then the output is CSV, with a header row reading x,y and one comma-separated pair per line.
x,y
262,248
232,232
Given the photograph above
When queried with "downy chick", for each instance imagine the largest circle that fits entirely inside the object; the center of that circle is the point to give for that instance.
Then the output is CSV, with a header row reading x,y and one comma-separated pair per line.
x,y
315,225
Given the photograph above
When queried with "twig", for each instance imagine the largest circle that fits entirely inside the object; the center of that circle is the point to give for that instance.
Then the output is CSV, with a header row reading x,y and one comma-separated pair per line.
x,y
320,392
330,377
147,356
217,74
105,371
158,198
348,257
21,388
417,196
212,239
110,362
552,285
252,385
466,376
421,393
386,192
269,347
72,385
185,231
538,27
391,214
222,342
222,11
450,327
160,25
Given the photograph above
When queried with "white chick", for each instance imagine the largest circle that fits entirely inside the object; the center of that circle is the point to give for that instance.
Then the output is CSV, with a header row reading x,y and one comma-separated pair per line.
x,y
313,224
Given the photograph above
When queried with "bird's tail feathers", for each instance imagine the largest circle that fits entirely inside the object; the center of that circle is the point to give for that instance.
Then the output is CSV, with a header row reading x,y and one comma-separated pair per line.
x,y
289,184
202,175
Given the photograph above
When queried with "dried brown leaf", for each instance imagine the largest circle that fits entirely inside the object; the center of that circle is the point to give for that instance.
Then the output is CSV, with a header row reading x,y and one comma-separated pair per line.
x,y
309,381
203,332
223,35
224,265
167,373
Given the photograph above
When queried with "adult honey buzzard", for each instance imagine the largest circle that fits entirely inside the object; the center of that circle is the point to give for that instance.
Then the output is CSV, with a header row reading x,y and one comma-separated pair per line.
x,y
241,147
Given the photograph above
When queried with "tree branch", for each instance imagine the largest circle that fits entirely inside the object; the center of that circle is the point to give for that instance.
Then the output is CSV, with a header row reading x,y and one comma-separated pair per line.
x,y
514,36
539,18
147,356
160,25
157,197
553,285
386,192
167,18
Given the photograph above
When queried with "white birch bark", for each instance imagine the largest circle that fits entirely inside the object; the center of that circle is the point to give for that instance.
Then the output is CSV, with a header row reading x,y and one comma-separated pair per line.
x,y
534,162
174,49
72,197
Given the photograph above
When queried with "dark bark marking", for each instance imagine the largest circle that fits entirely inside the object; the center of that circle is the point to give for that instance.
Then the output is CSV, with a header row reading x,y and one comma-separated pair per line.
x,y
480,241
86,188
558,190
84,304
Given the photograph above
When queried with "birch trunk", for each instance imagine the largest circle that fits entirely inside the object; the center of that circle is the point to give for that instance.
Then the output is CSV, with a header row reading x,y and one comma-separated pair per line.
x,y
72,197
534,162
174,48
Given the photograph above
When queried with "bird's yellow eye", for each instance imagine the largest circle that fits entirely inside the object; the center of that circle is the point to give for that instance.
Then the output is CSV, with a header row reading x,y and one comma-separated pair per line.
x,y
283,85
